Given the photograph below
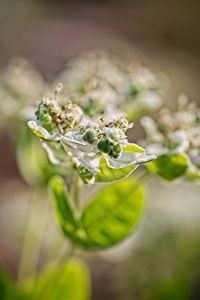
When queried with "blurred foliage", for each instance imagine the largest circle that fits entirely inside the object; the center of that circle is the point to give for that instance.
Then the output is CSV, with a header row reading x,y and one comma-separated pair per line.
x,y
166,266
169,166
174,136
69,281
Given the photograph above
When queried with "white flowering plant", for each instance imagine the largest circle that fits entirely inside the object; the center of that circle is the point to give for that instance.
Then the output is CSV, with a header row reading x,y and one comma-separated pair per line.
x,y
90,152
103,84
174,136
99,151
98,83
76,140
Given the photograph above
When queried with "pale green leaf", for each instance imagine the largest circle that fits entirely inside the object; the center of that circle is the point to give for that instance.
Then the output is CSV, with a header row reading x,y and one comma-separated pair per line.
x,y
131,147
113,214
116,169
129,159
169,166
108,174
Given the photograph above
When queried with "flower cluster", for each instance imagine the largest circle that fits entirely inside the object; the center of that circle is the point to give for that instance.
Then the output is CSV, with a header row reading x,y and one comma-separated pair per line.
x,y
64,130
20,85
101,83
175,132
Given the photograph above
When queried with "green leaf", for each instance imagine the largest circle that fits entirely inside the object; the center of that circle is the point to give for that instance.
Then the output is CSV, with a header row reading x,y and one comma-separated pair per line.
x,y
113,214
133,148
65,213
70,281
116,169
129,159
7,289
108,174
169,166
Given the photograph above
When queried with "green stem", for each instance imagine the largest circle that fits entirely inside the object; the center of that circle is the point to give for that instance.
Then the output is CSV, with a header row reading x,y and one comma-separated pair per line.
x,y
31,246
75,191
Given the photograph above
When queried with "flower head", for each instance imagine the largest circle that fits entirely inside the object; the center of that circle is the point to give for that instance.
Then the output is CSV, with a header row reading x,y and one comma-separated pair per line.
x,y
175,132
102,85
70,138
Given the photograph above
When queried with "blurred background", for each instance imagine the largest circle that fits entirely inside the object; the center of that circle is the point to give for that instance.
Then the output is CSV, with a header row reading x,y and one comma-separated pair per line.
x,y
162,261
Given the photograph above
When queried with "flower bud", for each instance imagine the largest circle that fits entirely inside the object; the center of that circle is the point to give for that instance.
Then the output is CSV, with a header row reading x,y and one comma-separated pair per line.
x,y
45,119
104,146
90,136
115,151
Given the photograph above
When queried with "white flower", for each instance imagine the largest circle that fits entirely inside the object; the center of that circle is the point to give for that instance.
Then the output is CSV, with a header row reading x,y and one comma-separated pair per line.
x,y
115,134
83,143
175,132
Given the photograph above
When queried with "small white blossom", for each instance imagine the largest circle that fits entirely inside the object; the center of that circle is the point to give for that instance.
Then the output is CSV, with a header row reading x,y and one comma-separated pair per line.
x,y
66,136
175,132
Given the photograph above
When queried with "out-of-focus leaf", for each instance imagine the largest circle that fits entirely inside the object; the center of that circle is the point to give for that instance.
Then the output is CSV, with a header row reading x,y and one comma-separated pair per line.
x,y
69,281
169,166
7,290
113,214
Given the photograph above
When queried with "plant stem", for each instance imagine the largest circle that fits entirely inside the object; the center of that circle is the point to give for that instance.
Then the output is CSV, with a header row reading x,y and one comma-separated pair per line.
x,y
75,191
31,246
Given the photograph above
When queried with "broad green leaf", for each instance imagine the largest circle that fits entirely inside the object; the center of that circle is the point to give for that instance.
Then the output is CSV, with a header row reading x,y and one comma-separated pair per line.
x,y
70,281
108,174
169,166
64,211
113,214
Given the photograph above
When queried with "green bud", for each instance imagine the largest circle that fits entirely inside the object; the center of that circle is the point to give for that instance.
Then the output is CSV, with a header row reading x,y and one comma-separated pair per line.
x,y
90,136
86,176
115,151
198,118
115,155
92,108
117,148
45,119
105,146
134,91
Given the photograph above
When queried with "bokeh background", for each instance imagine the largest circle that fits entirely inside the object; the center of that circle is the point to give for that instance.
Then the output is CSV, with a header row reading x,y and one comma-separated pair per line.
x,y
162,261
